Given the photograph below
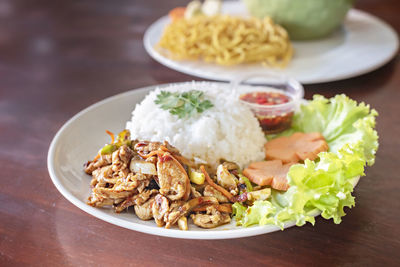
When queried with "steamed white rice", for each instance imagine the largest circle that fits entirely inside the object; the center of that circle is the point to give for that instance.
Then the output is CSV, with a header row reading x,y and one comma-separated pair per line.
x,y
226,131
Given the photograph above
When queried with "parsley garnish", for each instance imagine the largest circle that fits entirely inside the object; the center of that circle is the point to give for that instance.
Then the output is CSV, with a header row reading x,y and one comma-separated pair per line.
x,y
183,104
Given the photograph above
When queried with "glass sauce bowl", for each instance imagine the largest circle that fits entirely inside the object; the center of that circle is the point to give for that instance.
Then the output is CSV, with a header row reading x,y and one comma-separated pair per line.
x,y
273,104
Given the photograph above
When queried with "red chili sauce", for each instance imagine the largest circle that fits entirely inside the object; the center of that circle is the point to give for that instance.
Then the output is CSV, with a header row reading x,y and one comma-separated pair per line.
x,y
270,121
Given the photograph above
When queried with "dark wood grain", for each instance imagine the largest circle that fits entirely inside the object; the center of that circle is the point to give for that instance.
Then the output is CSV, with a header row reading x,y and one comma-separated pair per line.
x,y
58,57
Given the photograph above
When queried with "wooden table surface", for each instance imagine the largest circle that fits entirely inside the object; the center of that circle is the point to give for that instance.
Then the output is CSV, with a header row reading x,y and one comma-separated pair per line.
x,y
58,57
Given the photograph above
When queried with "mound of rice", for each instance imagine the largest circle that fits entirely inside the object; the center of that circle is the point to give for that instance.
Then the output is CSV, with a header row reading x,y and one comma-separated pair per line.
x,y
226,131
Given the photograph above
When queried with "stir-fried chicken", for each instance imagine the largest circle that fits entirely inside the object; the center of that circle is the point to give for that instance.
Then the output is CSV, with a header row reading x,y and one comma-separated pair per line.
x,y
104,160
172,178
160,208
152,178
227,179
144,211
138,199
145,147
211,219
210,191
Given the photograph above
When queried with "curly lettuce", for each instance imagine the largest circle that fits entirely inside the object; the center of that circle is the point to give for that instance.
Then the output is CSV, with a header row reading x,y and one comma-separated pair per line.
x,y
324,185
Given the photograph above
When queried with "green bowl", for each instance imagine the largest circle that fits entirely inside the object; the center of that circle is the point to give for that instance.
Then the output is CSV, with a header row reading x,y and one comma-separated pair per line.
x,y
303,19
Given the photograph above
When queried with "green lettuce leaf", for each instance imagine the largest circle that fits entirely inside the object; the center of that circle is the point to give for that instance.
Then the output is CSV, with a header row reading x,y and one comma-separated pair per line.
x,y
324,185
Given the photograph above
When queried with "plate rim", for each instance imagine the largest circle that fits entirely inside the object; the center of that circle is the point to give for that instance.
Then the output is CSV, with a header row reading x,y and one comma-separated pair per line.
x,y
172,64
153,230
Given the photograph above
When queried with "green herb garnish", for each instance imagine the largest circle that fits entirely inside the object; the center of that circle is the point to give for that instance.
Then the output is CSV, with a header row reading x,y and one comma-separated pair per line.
x,y
183,104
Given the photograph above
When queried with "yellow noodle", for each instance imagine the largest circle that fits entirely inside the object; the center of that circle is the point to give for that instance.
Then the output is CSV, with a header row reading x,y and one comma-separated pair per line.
x,y
227,40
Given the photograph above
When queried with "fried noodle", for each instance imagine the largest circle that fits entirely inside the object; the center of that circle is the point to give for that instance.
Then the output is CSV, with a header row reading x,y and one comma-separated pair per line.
x,y
227,40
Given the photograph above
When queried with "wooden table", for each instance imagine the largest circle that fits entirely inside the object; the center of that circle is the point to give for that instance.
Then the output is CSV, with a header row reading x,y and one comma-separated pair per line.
x,y
58,57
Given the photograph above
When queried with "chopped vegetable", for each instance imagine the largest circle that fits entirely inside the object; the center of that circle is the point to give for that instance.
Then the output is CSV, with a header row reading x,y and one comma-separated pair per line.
x,y
124,138
111,135
184,104
262,194
144,167
219,188
97,157
108,149
196,177
247,182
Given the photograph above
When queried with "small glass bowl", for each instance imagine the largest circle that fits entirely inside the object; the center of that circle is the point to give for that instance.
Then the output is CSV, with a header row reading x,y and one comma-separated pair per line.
x,y
273,118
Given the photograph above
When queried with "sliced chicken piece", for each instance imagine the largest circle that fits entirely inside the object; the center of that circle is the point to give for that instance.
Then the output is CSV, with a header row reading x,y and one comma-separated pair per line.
x,y
230,166
227,208
174,214
121,159
184,209
98,201
111,193
143,185
144,167
145,196
146,147
194,193
211,219
172,178
298,146
160,208
102,176
138,199
227,180
210,191
182,223
102,161
271,173
144,211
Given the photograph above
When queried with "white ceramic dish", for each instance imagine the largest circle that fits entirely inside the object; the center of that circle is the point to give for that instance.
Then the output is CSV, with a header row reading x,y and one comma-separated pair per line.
x,y
364,44
79,140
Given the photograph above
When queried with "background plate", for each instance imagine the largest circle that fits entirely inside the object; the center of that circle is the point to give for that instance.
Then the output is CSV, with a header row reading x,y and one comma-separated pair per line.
x,y
363,44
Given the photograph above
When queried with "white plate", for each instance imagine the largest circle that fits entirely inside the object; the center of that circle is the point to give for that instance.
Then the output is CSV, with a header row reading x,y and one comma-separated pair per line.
x,y
364,44
79,140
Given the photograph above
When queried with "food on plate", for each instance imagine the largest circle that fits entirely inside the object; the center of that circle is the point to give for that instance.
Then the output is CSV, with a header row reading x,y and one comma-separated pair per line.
x,y
281,153
266,98
183,104
303,19
297,147
199,131
226,40
189,169
274,110
326,184
153,177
